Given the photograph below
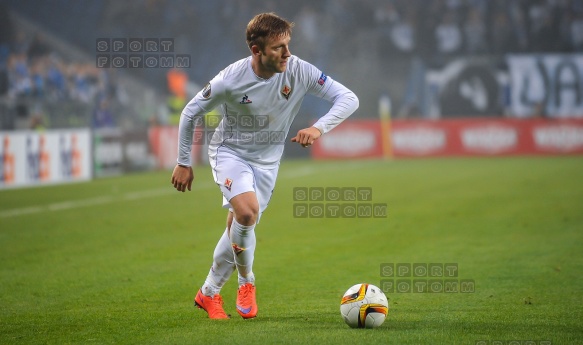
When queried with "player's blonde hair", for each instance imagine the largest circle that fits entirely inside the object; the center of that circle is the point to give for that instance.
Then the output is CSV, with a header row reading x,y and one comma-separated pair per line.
x,y
266,25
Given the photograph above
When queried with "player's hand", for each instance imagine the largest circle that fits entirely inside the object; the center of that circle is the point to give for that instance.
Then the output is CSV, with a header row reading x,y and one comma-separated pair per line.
x,y
307,136
182,178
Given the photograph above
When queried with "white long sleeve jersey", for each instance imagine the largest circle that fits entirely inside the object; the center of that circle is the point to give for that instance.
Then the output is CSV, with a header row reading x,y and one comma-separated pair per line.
x,y
257,113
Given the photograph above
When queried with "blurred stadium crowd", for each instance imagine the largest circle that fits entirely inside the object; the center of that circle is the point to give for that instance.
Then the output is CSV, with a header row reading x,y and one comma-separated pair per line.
x,y
42,85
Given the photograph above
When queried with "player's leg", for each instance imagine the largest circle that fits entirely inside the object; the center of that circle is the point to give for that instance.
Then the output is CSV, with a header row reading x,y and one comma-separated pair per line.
x,y
223,263
243,240
245,211
208,297
236,179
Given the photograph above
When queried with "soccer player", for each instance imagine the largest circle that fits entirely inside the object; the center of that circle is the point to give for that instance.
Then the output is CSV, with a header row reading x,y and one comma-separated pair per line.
x,y
259,97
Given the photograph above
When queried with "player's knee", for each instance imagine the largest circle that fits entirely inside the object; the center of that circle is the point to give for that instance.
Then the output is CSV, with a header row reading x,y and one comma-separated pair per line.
x,y
247,219
247,216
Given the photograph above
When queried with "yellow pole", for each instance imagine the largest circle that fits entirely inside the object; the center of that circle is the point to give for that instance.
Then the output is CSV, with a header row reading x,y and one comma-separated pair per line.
x,y
385,118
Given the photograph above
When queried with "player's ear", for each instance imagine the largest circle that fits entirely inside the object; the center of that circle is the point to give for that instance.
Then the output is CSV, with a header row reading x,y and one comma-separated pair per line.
x,y
255,50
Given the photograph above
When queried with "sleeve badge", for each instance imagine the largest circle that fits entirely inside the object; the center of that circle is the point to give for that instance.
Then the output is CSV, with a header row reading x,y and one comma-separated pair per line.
x,y
322,79
206,92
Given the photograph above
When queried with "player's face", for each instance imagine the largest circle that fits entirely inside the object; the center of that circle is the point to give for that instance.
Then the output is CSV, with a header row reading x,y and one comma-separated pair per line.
x,y
273,58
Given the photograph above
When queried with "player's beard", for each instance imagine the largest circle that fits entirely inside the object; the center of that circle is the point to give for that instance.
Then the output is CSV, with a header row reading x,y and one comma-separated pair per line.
x,y
279,67
282,66
275,65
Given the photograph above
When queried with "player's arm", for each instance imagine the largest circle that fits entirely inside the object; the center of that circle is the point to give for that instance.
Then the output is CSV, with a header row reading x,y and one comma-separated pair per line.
x,y
203,102
344,103
183,175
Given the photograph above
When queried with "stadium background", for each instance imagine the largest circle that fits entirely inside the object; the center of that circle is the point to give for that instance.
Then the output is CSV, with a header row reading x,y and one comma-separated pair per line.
x,y
413,59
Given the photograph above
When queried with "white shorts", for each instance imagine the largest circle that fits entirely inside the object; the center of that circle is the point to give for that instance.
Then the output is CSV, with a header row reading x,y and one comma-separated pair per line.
x,y
234,176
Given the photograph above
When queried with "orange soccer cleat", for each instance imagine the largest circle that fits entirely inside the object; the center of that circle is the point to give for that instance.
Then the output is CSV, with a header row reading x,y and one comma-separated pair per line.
x,y
246,303
212,305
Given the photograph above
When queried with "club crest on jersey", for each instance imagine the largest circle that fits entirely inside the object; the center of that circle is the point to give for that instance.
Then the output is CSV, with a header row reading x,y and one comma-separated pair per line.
x,y
286,91
245,100
228,183
238,250
206,92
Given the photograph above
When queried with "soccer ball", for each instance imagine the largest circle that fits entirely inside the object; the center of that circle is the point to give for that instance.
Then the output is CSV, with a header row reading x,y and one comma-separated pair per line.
x,y
364,306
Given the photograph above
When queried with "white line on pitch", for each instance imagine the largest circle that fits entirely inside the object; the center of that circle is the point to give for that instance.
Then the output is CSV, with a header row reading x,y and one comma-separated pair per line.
x,y
21,211
67,205
100,200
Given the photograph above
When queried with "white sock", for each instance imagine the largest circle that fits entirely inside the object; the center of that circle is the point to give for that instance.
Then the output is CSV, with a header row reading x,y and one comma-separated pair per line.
x,y
243,242
222,268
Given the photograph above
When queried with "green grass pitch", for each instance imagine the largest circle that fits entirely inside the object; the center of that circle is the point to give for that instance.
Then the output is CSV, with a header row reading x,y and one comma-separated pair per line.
x,y
119,260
